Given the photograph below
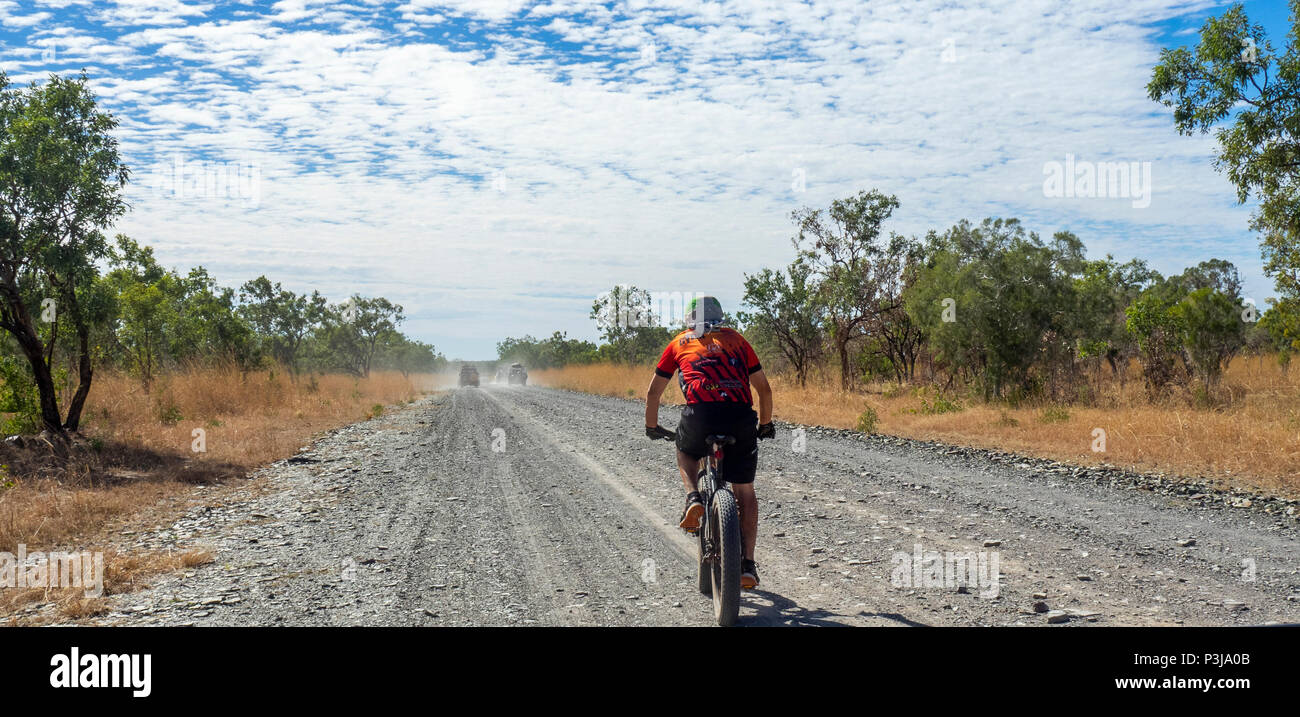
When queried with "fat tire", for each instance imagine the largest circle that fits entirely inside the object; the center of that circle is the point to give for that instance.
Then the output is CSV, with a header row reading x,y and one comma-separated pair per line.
x,y
705,575
726,572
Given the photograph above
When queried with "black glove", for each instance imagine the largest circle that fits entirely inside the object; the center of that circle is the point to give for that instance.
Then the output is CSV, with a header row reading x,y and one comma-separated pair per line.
x,y
657,432
766,430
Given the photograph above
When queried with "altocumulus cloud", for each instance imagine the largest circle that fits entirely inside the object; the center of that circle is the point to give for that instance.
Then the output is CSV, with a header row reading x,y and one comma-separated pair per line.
x,y
491,164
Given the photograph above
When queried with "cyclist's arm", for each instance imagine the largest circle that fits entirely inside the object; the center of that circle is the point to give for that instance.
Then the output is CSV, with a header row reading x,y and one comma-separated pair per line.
x,y
759,380
652,396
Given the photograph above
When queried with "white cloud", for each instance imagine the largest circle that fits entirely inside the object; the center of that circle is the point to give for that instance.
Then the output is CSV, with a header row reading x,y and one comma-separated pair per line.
x,y
151,12
492,10
377,148
20,21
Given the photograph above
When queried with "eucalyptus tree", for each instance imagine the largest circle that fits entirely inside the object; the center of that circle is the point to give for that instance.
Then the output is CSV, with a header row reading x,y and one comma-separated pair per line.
x,y
61,182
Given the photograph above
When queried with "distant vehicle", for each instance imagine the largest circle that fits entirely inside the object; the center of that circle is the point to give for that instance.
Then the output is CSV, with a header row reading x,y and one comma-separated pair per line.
x,y
468,375
518,375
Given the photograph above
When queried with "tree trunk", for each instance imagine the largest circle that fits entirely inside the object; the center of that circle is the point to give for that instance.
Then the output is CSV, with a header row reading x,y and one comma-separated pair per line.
x,y
19,323
84,373
30,343
843,349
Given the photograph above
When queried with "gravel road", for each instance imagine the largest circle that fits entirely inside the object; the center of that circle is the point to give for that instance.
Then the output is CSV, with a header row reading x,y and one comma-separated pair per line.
x,y
533,506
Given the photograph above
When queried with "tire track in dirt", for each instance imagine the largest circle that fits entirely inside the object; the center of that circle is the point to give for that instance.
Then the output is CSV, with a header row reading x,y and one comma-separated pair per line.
x,y
526,505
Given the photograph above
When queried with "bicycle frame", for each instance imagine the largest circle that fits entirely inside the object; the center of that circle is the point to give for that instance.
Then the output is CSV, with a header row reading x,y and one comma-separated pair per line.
x,y
719,535
708,486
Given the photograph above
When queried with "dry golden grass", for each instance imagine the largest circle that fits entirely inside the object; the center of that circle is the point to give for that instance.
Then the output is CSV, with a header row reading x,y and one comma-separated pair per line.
x,y
123,573
139,463
139,459
247,419
604,379
1248,436
45,513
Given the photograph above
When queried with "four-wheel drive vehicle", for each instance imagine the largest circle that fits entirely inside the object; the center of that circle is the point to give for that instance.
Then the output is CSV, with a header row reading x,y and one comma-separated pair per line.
x,y
517,374
468,375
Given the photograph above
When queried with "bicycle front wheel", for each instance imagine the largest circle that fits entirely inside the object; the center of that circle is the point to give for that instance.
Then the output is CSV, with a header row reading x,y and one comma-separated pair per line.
x,y
726,569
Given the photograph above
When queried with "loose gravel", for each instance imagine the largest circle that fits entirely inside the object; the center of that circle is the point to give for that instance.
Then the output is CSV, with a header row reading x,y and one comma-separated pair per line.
x,y
508,505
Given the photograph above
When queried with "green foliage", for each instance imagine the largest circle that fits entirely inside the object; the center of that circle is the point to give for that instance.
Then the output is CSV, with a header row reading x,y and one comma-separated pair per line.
x,y
168,412
867,420
632,333
993,299
941,405
871,361
1103,290
1234,83
554,352
1054,414
61,182
281,319
351,333
935,405
1190,324
852,265
1157,329
166,319
19,400
1281,324
398,353
1212,331
788,315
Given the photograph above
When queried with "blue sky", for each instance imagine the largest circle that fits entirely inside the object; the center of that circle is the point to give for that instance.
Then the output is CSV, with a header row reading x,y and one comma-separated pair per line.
x,y
493,165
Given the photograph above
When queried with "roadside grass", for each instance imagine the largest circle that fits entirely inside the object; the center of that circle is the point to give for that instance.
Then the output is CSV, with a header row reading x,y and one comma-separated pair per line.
x,y
605,379
123,573
1247,434
140,454
246,419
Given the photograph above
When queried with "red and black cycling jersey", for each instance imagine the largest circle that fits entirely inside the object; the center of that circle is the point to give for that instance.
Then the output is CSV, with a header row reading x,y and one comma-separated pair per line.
x,y
714,368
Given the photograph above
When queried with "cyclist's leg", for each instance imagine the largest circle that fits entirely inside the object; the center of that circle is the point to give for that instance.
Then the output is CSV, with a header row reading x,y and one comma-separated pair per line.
x,y
748,501
689,467
740,466
693,513
691,449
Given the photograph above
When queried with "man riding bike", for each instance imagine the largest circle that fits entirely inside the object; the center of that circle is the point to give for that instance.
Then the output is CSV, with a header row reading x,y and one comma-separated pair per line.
x,y
717,366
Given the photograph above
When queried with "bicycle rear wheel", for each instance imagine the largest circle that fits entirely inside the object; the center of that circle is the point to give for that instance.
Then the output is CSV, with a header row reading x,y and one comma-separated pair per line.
x,y
705,571
707,533
726,569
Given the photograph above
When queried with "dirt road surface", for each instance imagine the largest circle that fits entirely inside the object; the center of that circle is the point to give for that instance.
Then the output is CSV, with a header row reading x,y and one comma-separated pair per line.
x,y
509,505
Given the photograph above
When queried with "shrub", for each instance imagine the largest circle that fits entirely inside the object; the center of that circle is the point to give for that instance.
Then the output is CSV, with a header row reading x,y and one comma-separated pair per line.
x,y
941,405
169,414
1054,414
867,420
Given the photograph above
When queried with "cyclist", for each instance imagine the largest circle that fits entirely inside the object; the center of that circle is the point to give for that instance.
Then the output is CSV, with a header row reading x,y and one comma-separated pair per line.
x,y
717,366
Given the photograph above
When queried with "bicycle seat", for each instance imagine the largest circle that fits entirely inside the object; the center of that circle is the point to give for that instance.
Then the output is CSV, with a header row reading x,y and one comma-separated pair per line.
x,y
721,440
